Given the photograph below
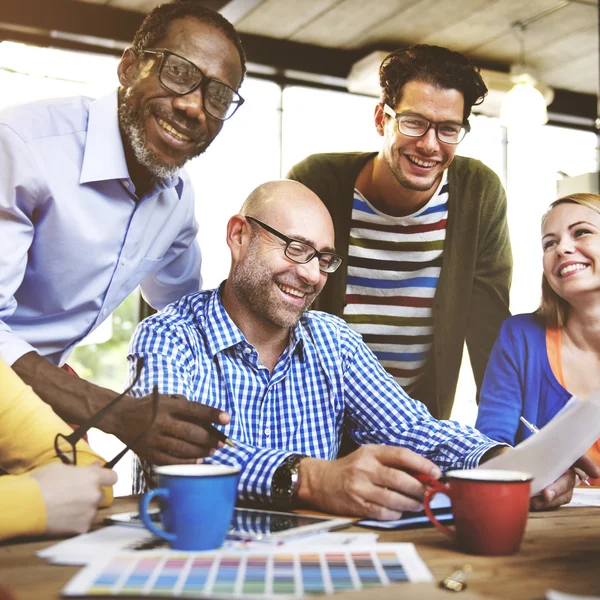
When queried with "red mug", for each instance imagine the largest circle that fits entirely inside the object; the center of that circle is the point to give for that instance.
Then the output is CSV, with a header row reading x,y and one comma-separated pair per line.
x,y
490,509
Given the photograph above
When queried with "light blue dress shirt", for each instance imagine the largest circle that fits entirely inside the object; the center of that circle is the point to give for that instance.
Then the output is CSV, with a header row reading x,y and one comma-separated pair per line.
x,y
75,240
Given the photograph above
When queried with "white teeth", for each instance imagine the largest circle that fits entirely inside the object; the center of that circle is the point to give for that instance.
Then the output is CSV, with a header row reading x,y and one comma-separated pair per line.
x,y
291,291
570,268
173,131
421,163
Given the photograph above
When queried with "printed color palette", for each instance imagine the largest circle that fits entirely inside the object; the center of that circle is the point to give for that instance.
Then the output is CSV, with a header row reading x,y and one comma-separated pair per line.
x,y
269,573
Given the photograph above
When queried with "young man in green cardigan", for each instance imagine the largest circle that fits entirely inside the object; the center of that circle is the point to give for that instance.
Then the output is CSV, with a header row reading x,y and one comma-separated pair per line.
x,y
424,232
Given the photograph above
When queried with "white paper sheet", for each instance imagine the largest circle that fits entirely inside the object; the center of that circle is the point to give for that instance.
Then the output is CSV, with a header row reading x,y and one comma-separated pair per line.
x,y
584,497
108,541
554,595
557,445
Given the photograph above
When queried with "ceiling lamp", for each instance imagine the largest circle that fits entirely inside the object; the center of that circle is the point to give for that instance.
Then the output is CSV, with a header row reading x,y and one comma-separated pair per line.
x,y
525,104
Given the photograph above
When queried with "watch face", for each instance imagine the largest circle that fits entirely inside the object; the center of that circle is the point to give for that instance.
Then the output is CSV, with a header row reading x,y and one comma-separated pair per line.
x,y
285,478
282,481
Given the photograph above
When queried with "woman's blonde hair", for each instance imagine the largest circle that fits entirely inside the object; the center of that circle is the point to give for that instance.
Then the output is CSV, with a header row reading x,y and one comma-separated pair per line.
x,y
553,309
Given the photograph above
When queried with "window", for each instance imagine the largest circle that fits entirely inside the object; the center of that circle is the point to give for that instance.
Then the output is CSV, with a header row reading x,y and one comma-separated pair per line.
x,y
272,131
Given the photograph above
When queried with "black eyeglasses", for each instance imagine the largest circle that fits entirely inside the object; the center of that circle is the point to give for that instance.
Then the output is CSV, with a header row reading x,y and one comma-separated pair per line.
x,y
78,434
413,125
181,77
301,252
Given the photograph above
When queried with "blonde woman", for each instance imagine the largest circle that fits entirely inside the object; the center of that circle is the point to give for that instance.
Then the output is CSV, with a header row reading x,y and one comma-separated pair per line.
x,y
540,360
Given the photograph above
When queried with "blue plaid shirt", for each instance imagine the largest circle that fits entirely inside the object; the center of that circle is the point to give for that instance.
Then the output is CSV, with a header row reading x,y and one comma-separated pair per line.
x,y
326,379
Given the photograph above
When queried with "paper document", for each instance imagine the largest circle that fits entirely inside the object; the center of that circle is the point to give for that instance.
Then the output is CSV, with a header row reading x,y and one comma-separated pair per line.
x,y
108,541
257,573
88,547
550,452
584,497
554,595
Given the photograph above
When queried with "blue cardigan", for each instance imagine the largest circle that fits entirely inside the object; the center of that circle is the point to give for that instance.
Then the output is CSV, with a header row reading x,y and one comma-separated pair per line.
x,y
519,381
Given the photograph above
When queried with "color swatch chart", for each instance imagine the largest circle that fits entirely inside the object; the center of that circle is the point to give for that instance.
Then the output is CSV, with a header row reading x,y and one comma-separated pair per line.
x,y
256,573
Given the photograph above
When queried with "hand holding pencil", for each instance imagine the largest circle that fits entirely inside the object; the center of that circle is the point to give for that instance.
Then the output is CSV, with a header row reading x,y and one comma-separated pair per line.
x,y
533,428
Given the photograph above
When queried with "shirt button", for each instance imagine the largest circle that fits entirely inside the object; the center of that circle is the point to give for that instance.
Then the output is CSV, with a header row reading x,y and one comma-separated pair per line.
x,y
247,350
267,431
105,311
126,183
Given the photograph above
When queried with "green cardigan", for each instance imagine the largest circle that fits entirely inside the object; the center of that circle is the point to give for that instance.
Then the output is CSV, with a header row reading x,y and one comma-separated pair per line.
x,y
471,299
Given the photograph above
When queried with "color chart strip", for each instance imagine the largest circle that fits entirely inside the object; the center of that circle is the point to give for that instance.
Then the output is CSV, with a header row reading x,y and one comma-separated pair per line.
x,y
271,573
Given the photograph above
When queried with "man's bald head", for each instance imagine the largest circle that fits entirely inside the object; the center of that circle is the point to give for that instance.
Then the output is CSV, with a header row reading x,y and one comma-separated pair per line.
x,y
273,197
265,284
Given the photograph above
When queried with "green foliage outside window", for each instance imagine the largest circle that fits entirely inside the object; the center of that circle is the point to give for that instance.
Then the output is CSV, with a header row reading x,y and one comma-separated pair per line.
x,y
106,364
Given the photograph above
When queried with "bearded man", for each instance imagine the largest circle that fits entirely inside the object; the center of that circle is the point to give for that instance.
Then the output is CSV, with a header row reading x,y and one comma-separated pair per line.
x,y
93,203
294,379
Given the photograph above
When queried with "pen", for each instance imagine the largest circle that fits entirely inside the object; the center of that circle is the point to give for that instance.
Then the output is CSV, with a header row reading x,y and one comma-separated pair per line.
x,y
219,435
534,429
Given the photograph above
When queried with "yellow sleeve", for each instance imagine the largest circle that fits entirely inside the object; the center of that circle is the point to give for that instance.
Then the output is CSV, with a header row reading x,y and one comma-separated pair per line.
x,y
28,427
22,508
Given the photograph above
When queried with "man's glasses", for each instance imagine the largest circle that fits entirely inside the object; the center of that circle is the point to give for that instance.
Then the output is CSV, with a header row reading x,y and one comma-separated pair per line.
x,y
78,434
412,125
301,252
181,77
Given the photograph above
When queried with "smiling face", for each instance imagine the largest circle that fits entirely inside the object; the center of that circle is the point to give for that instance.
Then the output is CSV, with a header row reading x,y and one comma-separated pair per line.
x,y
162,131
417,163
571,245
271,287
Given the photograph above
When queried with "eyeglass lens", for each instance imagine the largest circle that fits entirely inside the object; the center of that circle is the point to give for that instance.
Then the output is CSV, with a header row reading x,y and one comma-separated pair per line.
x,y
451,133
303,253
181,76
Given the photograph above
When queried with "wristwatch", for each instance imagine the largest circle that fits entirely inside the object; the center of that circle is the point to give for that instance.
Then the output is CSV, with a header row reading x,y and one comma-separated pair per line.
x,y
284,485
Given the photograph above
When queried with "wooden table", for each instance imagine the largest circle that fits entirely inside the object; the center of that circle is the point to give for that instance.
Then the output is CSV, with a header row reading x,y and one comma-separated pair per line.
x,y
561,550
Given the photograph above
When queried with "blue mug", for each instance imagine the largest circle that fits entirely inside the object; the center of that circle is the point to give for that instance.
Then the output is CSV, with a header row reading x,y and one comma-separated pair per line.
x,y
196,502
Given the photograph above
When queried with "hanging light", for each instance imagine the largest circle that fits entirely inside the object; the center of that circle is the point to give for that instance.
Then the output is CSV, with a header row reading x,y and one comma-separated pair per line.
x,y
525,104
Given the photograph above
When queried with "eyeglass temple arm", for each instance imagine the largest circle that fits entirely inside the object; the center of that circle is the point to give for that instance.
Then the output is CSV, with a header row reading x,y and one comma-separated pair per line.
x,y
110,464
78,434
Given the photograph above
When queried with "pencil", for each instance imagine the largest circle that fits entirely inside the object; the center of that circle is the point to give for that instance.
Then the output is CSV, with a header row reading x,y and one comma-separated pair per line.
x,y
219,435
534,429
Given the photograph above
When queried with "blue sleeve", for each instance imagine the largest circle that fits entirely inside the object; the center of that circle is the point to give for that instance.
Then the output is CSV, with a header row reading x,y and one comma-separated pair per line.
x,y
501,402
170,364
20,189
380,412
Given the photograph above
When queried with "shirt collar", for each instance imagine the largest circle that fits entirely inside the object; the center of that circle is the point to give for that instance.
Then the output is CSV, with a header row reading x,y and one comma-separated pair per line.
x,y
104,155
222,333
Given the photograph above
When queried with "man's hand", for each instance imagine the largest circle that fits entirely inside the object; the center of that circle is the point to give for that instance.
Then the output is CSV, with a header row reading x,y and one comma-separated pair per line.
x,y
561,491
176,436
371,482
71,495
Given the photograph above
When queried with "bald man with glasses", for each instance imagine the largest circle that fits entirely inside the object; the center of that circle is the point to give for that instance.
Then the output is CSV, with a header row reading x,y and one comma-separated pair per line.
x,y
292,379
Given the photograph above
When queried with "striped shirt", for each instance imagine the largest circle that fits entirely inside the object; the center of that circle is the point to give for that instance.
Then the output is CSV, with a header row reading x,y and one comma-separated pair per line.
x,y
394,265
325,379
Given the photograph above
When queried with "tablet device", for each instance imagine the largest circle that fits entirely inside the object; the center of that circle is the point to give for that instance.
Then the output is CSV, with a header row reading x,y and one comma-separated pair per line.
x,y
252,524
440,506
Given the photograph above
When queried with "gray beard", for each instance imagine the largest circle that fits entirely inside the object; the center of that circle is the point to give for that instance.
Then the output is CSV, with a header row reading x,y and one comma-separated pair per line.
x,y
251,284
132,126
